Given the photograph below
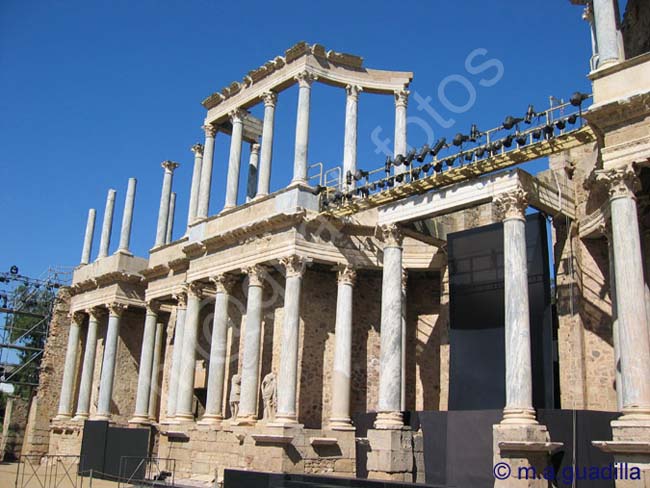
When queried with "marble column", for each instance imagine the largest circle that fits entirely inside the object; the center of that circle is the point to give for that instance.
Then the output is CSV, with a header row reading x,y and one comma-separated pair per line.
x,y
607,231
197,149
115,312
177,353
88,365
146,363
401,102
252,337
403,359
264,177
342,367
350,140
69,368
288,378
107,225
606,32
630,292
304,80
154,389
519,385
389,415
88,237
165,197
216,373
170,219
253,172
127,218
205,185
184,411
234,160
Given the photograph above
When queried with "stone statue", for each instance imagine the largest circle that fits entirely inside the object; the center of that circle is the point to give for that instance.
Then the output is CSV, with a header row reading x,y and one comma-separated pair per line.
x,y
235,392
268,396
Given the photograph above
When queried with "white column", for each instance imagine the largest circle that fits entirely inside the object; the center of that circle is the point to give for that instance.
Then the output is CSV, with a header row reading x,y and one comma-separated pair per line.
x,y
401,101
253,172
165,196
403,359
154,389
288,378
170,219
630,292
197,149
519,384
88,368
69,368
264,177
127,218
206,173
107,225
389,415
612,295
188,359
88,237
214,403
350,140
145,366
251,356
342,367
304,80
234,160
606,32
177,353
115,311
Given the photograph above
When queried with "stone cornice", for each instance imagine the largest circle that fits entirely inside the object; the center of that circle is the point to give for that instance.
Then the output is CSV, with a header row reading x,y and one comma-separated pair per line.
x,y
114,277
612,114
155,272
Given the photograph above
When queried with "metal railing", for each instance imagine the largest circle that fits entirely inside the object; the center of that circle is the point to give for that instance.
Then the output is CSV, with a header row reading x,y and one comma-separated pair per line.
x,y
149,471
49,471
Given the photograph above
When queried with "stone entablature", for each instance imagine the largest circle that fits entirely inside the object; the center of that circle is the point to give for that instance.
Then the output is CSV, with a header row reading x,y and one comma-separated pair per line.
x,y
115,263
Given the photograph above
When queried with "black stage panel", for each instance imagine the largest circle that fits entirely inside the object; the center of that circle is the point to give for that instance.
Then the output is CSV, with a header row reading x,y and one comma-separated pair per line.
x,y
93,446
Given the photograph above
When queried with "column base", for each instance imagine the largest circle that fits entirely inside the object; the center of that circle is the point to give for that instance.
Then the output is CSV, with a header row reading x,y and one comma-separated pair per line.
x,y
211,420
184,418
519,416
389,421
101,416
62,417
391,455
282,420
139,419
248,420
631,450
341,423
80,417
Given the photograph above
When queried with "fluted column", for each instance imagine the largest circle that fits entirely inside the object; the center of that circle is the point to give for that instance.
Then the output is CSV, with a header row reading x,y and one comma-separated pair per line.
x,y
342,368
146,363
405,277
264,177
288,378
107,225
188,360
197,149
154,388
606,32
630,292
401,102
206,173
251,357
607,230
389,415
127,217
115,312
69,368
253,172
170,219
216,373
88,237
88,367
304,80
177,353
234,160
165,196
519,385
350,140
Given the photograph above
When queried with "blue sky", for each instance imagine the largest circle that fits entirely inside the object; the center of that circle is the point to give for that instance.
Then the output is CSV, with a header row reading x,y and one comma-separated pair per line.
x,y
95,92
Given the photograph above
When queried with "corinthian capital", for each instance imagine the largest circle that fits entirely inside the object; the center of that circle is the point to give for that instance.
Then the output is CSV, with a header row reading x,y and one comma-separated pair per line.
x,y
195,288
353,91
237,116
223,283
621,182
270,98
210,130
346,274
116,309
305,79
255,275
392,235
95,313
197,149
294,265
169,166
512,204
181,297
153,307
77,318
401,98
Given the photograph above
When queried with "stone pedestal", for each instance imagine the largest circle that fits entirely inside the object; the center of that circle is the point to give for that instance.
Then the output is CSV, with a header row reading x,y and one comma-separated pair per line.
x,y
391,455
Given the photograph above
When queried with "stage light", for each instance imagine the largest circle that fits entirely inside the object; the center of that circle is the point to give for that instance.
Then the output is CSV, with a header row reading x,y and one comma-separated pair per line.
x,y
507,141
360,174
423,153
438,167
548,130
510,122
388,164
450,161
399,177
530,113
409,157
572,119
399,160
459,139
373,187
474,133
480,152
496,145
522,140
348,178
390,182
469,156
381,184
426,167
577,98
438,146
415,173
537,134
560,124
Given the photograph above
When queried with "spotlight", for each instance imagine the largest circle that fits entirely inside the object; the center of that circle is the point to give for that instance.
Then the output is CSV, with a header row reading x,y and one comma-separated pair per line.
x,y
530,113
415,174
381,184
423,153
496,145
438,167
426,167
507,141
474,133
459,139
399,160
360,174
373,187
510,122
390,182
469,156
13,270
560,124
521,140
480,152
439,145
537,134
450,161
577,98
410,156
572,119
400,177
388,164
348,178
548,130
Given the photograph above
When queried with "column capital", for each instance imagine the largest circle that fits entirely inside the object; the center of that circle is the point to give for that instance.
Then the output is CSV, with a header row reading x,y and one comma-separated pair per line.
x,y
181,297
512,204
95,312
401,97
77,317
353,91
197,149
169,166
346,274
255,148
195,288
255,274
237,115
223,282
588,13
116,309
392,235
270,98
620,182
294,265
305,79
210,130
153,307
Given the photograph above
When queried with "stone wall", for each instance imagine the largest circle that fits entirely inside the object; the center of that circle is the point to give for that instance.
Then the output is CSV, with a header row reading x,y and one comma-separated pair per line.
x,y
13,428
